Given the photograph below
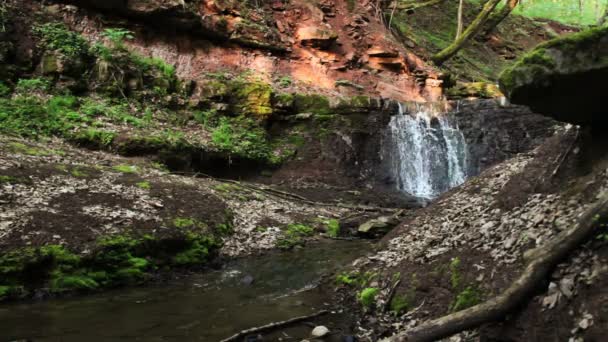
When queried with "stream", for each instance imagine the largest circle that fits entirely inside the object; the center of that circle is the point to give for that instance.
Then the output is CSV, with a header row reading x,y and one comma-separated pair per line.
x,y
210,306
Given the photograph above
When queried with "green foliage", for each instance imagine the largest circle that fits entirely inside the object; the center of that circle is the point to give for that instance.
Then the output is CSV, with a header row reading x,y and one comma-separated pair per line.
x,y
117,36
243,137
76,172
146,64
285,82
367,296
198,250
188,222
4,89
345,278
116,260
33,84
333,228
95,136
125,168
399,304
469,297
17,147
566,11
207,118
227,187
316,104
8,179
455,277
293,235
57,36
32,116
144,185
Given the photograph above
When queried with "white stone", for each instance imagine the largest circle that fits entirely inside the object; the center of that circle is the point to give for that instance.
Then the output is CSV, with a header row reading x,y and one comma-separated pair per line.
x,y
319,331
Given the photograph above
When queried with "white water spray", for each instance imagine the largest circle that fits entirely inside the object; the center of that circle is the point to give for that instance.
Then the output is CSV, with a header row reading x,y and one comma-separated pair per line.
x,y
429,152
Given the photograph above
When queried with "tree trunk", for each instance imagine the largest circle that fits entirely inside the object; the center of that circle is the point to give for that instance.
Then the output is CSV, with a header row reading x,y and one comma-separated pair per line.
x,y
543,261
469,33
499,16
460,20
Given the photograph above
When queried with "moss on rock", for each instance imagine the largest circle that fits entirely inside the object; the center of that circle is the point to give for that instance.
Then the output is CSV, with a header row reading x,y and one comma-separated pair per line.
x,y
563,78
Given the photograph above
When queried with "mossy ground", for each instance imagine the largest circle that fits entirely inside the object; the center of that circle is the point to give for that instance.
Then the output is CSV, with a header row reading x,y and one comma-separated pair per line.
x,y
115,260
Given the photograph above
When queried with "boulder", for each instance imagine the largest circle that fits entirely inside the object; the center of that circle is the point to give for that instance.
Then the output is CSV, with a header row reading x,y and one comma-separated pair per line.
x,y
564,78
148,6
317,37
378,51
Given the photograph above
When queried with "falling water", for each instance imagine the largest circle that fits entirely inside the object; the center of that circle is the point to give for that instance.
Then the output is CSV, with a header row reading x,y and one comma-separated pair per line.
x,y
429,153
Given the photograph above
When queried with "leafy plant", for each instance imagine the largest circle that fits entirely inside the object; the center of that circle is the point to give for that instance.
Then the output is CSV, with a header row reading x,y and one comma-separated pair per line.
x,y
367,296
117,36
4,89
148,63
455,272
57,36
285,81
32,84
293,235
399,304
469,297
333,228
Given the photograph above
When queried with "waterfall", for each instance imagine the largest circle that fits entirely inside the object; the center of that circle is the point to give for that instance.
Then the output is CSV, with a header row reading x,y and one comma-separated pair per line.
x,y
428,152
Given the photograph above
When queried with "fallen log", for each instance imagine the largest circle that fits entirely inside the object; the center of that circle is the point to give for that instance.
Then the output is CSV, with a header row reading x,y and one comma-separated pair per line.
x,y
273,325
539,268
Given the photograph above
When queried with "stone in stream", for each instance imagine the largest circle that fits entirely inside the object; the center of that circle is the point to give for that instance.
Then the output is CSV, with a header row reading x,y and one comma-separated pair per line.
x,y
319,331
247,280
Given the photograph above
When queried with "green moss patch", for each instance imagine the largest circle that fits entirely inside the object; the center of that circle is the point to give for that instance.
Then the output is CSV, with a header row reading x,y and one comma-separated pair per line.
x,y
294,235
367,296
116,260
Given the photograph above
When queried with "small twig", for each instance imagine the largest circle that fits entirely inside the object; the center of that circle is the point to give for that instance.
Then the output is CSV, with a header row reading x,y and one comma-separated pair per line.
x,y
563,157
391,294
411,312
273,325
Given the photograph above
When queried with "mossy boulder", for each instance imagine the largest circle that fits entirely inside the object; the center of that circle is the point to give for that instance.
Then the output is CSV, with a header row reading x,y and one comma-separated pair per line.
x,y
314,103
564,78
482,90
252,98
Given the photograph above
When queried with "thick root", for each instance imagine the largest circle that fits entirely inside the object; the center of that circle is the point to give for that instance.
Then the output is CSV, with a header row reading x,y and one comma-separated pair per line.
x,y
544,260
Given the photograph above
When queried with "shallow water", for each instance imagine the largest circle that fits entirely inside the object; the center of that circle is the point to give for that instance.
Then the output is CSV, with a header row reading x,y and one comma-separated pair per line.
x,y
205,307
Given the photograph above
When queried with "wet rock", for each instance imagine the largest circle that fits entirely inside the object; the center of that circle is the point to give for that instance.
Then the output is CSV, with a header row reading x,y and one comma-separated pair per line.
x,y
319,331
563,78
247,280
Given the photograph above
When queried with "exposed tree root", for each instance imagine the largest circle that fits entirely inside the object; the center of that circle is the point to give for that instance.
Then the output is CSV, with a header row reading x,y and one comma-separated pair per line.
x,y
273,325
542,261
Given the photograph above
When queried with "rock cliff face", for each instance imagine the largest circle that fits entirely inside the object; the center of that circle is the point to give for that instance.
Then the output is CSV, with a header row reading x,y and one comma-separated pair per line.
x,y
331,47
496,132
563,78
